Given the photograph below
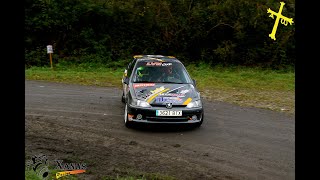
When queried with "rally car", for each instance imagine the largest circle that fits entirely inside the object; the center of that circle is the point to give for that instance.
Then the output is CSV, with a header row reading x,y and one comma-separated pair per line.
x,y
158,89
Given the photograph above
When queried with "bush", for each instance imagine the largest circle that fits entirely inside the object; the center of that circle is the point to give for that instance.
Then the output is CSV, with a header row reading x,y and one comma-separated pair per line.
x,y
38,57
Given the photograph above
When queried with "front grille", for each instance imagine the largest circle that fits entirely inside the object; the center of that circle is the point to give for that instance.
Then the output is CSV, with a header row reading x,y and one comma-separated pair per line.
x,y
167,119
160,105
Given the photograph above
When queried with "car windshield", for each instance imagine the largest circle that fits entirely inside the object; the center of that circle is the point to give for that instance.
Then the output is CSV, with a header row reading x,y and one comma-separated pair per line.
x,y
160,72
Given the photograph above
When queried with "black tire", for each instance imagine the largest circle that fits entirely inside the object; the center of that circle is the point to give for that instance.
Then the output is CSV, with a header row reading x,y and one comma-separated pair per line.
x,y
200,123
127,123
122,98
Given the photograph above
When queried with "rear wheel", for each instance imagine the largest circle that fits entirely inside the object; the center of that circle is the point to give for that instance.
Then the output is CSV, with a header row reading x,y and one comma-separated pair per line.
x,y
126,121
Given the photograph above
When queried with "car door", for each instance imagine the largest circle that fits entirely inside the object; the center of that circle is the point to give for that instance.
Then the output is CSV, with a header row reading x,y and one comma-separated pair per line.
x,y
126,75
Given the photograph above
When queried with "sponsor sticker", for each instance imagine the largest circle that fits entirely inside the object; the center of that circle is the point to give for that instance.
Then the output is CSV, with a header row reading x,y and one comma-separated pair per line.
x,y
184,91
158,64
168,100
157,90
143,85
187,101
154,95
173,94
166,64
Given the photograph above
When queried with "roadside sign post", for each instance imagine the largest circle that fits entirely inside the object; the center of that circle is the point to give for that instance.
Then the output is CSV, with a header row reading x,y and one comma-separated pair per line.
x,y
50,51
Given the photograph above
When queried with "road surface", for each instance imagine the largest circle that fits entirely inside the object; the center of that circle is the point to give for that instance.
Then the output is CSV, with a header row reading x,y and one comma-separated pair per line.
x,y
84,124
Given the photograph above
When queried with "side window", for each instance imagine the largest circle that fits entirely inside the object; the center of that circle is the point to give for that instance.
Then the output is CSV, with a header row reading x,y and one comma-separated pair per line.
x,y
130,67
126,70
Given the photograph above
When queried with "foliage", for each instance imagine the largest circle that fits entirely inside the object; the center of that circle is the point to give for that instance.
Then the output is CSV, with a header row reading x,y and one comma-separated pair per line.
x,y
224,32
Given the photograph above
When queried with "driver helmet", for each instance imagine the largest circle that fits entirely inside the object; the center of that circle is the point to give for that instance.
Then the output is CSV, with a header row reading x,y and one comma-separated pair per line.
x,y
141,71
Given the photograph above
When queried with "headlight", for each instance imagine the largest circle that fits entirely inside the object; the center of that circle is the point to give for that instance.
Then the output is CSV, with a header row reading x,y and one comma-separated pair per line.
x,y
140,103
195,104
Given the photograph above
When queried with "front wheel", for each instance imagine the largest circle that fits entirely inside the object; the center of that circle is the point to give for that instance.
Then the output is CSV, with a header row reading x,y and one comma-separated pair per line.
x,y
126,121
122,98
200,123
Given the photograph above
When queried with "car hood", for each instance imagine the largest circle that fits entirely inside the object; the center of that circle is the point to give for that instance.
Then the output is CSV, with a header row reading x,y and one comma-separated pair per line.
x,y
160,93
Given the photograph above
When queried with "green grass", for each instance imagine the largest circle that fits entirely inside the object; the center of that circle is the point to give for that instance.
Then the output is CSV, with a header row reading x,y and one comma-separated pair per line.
x,y
255,87
241,77
31,175
82,74
125,175
244,86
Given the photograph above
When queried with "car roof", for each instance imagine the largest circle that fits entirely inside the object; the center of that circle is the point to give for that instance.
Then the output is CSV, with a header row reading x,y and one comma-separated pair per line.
x,y
156,58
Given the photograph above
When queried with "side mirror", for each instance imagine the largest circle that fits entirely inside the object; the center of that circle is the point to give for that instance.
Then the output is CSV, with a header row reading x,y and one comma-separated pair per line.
x,y
194,82
126,80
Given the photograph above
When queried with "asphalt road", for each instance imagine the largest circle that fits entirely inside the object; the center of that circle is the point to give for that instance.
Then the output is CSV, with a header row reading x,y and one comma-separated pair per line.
x,y
85,123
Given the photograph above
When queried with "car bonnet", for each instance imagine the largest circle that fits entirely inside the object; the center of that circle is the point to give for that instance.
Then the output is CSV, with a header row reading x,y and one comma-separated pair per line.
x,y
160,94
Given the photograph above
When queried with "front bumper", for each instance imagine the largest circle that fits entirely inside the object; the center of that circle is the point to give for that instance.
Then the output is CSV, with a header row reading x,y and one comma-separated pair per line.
x,y
149,115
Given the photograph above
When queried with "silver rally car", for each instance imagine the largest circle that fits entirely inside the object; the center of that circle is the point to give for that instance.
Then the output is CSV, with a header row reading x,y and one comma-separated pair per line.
x,y
158,89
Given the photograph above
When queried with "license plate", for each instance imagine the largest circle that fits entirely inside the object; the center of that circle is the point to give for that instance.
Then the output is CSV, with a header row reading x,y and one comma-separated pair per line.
x,y
168,113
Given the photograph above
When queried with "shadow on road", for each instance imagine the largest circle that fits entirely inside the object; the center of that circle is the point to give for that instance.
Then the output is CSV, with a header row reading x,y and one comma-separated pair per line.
x,y
164,127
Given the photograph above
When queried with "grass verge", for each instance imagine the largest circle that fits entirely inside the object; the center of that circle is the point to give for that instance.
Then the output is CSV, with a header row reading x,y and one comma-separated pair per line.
x,y
253,87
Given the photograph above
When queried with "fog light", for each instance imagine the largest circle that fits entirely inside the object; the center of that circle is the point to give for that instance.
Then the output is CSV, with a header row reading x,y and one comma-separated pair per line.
x,y
139,116
194,117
